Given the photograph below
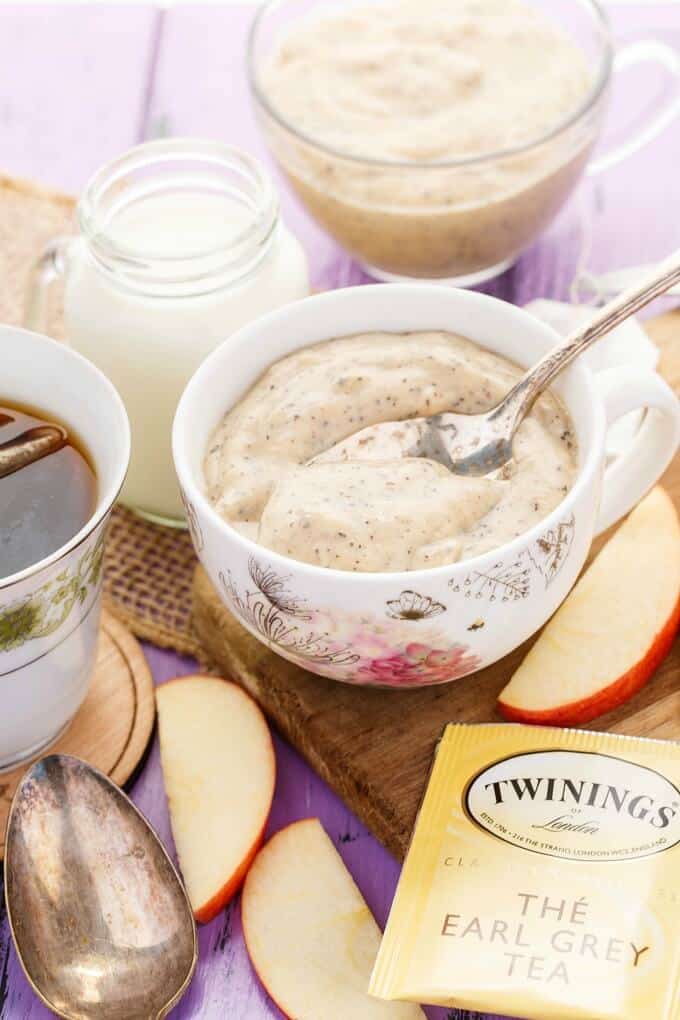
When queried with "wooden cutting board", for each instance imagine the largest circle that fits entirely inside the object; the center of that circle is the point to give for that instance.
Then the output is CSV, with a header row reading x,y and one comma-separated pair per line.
x,y
374,747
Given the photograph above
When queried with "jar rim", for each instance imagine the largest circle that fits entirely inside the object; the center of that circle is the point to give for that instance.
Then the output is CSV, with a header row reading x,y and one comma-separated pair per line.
x,y
599,86
230,171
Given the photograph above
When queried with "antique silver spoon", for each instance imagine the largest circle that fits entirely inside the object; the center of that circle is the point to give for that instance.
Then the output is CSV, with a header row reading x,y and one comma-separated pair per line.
x,y
31,445
100,918
477,444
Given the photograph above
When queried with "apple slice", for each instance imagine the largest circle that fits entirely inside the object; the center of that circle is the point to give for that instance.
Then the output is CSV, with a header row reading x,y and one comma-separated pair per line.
x,y
219,770
310,936
613,630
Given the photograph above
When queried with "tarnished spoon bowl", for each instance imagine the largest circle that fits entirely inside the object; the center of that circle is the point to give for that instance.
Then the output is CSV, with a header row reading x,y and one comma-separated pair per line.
x,y
100,918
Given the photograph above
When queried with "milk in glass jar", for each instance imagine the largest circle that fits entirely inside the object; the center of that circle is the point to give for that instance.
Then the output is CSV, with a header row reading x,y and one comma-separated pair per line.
x,y
180,244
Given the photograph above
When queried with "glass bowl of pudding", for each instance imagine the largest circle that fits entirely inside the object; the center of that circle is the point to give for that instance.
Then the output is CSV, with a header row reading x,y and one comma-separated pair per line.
x,y
433,139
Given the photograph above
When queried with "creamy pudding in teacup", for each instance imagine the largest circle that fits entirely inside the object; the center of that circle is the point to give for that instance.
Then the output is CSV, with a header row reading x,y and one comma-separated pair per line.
x,y
431,624
381,515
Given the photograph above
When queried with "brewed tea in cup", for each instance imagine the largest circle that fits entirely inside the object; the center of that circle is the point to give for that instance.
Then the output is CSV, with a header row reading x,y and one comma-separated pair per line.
x,y
54,513
45,503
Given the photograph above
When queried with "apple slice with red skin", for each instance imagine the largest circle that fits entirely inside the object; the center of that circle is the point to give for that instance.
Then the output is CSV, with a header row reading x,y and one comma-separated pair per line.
x,y
219,770
613,630
310,935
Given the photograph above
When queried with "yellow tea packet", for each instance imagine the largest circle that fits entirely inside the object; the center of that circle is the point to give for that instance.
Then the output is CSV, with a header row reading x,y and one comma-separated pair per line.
x,y
543,879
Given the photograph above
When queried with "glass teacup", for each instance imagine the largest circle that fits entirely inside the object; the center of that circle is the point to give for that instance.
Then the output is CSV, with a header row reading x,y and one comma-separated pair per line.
x,y
461,220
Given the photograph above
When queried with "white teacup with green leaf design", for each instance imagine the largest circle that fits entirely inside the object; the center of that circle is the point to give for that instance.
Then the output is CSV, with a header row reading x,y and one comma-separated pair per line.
x,y
49,611
423,626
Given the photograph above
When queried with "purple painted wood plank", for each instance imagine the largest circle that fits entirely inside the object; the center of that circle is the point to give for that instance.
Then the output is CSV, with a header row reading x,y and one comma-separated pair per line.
x,y
73,87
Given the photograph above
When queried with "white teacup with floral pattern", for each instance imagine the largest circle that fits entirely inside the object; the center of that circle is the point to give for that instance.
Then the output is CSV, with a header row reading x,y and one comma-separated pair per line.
x,y
49,612
424,626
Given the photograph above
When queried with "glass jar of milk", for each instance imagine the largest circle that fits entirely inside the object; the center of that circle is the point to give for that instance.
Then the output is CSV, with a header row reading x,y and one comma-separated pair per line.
x,y
180,244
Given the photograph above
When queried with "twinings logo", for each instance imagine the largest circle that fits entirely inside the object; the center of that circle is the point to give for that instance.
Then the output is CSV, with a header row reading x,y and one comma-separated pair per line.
x,y
576,805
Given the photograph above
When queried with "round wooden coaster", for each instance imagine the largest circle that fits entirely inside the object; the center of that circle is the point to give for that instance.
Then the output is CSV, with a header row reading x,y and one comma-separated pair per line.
x,y
114,724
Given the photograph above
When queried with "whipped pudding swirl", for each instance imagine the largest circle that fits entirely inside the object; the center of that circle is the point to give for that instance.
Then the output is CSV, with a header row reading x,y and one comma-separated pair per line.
x,y
380,515
428,80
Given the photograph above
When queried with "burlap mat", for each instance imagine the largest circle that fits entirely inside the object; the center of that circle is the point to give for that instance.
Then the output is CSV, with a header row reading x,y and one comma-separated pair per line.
x,y
148,569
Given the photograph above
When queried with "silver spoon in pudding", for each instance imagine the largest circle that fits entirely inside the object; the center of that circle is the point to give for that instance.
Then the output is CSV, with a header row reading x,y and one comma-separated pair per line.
x,y
100,919
479,444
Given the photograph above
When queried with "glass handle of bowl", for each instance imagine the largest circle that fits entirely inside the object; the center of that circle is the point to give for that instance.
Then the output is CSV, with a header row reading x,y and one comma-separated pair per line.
x,y
50,266
643,52
637,469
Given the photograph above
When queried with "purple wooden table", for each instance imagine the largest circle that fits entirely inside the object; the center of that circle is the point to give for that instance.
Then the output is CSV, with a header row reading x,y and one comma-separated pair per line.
x,y
80,84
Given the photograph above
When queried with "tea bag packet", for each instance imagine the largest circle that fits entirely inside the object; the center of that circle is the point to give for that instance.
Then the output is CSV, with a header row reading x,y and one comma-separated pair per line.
x,y
543,879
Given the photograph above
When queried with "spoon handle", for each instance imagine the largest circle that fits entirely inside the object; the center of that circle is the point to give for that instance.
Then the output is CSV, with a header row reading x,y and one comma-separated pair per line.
x,y
32,445
521,397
